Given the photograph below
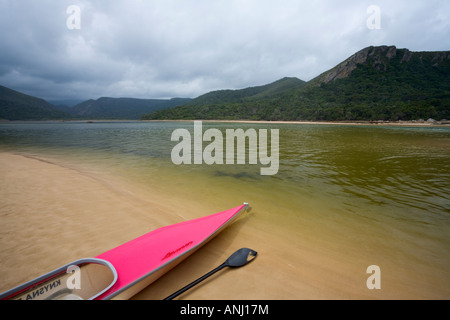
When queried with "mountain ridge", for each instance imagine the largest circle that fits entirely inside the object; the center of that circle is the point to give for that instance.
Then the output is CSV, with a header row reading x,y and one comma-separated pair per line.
x,y
238,95
375,83
345,68
122,108
15,105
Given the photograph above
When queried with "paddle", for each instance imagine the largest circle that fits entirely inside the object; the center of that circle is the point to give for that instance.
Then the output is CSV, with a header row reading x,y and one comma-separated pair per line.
x,y
238,259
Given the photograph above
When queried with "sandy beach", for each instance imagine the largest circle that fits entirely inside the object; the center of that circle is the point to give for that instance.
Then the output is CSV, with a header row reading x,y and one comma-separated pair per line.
x,y
52,214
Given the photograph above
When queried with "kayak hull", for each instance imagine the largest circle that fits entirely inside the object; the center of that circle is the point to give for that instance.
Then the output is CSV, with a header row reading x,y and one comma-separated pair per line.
x,y
143,260
127,269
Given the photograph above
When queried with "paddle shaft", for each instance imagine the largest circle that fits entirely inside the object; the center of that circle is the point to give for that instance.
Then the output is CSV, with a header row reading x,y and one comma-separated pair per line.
x,y
194,283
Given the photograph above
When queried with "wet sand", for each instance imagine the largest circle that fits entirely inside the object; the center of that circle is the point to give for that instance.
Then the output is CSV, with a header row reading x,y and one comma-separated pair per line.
x,y
52,213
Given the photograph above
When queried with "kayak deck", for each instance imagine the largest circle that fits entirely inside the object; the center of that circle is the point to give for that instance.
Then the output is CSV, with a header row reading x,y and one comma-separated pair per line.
x,y
143,260
125,270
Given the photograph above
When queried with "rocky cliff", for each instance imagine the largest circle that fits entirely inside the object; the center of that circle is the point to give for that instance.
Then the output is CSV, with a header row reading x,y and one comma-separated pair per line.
x,y
379,57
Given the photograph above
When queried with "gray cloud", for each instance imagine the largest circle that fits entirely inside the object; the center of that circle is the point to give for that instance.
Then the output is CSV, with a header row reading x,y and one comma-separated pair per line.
x,y
156,49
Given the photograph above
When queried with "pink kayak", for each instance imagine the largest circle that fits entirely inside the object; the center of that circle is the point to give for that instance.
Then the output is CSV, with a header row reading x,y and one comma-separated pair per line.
x,y
127,269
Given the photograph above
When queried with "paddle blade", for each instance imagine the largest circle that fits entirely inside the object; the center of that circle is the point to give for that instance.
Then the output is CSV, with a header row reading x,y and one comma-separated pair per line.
x,y
241,257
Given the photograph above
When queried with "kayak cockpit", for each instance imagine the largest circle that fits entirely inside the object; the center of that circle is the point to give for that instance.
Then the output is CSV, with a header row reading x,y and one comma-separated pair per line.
x,y
83,279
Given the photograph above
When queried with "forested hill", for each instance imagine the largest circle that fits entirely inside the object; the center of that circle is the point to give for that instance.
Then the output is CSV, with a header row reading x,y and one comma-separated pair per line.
x,y
376,83
248,94
228,104
15,105
121,108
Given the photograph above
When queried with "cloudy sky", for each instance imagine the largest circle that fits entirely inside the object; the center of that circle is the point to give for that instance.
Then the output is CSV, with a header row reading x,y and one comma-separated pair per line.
x,y
184,48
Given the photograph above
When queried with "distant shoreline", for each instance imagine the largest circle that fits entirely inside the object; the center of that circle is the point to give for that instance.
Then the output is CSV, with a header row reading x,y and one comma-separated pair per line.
x,y
380,123
346,123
